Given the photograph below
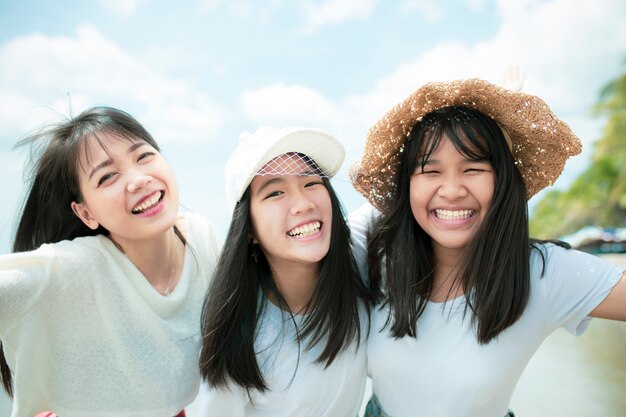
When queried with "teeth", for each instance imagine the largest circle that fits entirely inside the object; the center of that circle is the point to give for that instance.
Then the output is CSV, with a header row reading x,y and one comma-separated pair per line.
x,y
148,203
305,231
453,215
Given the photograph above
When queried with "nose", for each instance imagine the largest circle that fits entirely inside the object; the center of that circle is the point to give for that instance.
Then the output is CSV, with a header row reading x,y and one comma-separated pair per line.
x,y
452,187
301,203
137,181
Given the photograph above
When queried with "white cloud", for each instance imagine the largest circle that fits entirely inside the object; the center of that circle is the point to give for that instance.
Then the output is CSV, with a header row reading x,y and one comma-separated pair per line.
x,y
432,11
41,71
567,52
210,5
240,8
333,12
281,104
123,7
476,5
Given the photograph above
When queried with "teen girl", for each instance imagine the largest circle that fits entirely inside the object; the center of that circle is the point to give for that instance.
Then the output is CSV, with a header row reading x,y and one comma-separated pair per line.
x,y
100,305
285,319
467,297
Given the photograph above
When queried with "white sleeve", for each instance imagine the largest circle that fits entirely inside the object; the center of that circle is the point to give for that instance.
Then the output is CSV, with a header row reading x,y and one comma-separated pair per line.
x,y
205,241
23,278
575,283
221,402
360,222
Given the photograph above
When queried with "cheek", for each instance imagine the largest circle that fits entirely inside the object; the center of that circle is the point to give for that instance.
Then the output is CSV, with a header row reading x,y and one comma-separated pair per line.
x,y
488,190
263,223
419,198
416,195
170,178
324,202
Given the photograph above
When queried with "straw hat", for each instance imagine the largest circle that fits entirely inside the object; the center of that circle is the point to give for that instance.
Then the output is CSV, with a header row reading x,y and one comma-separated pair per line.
x,y
540,142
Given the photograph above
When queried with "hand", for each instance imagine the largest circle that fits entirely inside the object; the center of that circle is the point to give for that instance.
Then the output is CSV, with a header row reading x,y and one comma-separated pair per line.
x,y
513,78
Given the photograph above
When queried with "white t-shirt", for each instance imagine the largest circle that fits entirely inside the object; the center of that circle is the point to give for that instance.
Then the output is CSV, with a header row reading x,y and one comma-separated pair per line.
x,y
304,389
445,372
86,335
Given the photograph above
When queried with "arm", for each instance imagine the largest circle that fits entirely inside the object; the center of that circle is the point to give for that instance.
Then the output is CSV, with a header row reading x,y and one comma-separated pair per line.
x,y
360,222
575,284
614,305
23,279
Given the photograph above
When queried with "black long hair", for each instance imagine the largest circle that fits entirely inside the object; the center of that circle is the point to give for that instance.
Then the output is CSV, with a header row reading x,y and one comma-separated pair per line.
x,y
494,269
46,215
231,309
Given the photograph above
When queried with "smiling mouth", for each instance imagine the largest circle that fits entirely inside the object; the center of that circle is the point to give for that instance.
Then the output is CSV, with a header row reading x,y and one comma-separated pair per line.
x,y
149,203
306,230
453,214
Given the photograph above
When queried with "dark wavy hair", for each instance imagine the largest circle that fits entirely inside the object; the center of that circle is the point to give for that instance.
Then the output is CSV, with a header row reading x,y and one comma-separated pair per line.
x,y
494,269
231,309
46,215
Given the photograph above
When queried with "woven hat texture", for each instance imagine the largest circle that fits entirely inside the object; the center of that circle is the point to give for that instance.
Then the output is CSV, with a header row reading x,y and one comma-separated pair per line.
x,y
540,142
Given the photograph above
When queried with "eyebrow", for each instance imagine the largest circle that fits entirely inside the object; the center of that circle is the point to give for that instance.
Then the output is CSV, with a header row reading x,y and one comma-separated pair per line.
x,y
270,182
109,161
280,178
430,162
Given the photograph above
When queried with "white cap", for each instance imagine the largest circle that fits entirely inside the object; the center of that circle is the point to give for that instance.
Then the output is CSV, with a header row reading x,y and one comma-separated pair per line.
x,y
257,149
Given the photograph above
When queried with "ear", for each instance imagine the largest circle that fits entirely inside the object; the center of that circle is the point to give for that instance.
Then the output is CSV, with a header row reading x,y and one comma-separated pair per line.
x,y
253,239
83,213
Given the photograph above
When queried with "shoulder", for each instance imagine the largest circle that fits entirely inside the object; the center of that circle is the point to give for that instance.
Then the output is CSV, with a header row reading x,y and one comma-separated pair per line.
x,y
361,222
198,231
65,251
555,262
364,216
194,225
555,256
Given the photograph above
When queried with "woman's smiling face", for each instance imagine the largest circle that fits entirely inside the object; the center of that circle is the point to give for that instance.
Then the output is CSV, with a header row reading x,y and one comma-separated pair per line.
x,y
291,215
127,187
450,196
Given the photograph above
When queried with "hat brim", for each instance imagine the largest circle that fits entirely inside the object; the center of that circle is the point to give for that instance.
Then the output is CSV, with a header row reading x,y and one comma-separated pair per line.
x,y
541,142
268,143
327,152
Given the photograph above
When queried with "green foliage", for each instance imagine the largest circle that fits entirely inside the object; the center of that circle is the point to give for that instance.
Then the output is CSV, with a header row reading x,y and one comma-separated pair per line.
x,y
598,196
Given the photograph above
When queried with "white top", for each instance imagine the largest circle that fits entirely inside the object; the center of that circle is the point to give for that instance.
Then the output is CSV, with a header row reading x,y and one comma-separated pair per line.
x,y
86,335
445,372
303,389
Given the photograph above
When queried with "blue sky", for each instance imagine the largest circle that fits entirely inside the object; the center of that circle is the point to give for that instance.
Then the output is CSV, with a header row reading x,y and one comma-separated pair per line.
x,y
198,73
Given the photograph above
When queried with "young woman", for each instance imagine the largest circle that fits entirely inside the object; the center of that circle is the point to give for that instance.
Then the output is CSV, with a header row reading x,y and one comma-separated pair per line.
x,y
100,305
285,318
467,297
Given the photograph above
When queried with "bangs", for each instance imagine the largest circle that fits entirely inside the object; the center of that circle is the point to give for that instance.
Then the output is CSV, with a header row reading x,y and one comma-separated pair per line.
x,y
100,138
458,126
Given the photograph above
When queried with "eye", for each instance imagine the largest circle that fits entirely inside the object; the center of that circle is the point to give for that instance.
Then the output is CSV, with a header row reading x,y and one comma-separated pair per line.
x,y
273,194
426,169
145,155
479,168
428,172
314,182
106,178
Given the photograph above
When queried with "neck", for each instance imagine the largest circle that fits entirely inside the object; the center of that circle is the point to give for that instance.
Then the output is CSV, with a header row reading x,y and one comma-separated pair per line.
x,y
446,285
296,283
159,259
